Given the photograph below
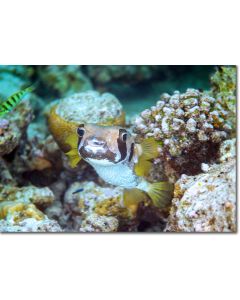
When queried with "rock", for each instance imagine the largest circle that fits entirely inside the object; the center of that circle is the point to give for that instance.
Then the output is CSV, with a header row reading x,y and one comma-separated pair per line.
x,y
101,75
89,107
18,204
227,150
62,81
206,202
223,88
96,223
102,202
13,126
30,225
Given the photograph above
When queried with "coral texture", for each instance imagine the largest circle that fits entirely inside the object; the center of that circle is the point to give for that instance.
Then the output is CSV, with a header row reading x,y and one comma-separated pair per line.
x,y
195,131
63,80
206,202
129,74
30,225
102,202
90,107
19,204
188,126
13,126
224,89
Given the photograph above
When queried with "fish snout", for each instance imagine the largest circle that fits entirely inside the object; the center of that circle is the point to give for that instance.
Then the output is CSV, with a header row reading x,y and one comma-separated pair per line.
x,y
95,142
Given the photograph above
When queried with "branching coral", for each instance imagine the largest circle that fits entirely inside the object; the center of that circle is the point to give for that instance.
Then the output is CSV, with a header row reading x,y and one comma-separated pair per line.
x,y
188,126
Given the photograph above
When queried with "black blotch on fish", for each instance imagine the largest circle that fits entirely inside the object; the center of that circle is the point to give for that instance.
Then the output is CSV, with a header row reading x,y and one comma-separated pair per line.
x,y
122,146
131,152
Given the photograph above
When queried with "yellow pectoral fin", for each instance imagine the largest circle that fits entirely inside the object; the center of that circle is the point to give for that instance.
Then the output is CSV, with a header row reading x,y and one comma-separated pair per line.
x,y
149,148
142,168
161,193
73,157
72,141
74,160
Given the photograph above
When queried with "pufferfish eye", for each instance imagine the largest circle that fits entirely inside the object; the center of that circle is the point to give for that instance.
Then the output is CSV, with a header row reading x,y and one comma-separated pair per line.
x,y
123,135
80,131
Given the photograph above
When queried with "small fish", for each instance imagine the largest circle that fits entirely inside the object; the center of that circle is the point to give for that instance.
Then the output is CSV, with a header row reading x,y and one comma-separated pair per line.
x,y
118,160
78,191
12,101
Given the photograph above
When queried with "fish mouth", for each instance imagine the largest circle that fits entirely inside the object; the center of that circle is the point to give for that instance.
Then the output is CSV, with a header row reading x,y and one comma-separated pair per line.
x,y
98,153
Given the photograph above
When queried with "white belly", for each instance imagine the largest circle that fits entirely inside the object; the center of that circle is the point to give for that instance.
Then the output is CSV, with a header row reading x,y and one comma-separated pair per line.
x,y
120,175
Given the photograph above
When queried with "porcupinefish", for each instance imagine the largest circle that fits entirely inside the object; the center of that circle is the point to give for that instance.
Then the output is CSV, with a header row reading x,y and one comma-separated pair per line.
x,y
12,101
117,159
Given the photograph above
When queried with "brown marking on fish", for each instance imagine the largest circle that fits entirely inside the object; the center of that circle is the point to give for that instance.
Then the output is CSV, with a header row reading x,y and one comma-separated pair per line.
x,y
107,138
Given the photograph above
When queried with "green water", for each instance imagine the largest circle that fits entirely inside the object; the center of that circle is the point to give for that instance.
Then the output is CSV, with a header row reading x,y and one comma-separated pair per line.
x,y
136,98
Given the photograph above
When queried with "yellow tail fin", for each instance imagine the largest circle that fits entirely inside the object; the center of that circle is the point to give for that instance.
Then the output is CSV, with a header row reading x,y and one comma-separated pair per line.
x,y
161,193
132,198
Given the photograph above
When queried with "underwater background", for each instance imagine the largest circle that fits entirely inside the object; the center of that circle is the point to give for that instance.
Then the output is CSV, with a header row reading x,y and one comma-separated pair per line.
x,y
189,110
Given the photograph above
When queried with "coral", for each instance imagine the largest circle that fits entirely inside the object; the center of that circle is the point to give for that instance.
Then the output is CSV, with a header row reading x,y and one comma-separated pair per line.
x,y
128,74
37,159
224,89
30,225
86,107
188,126
206,202
18,204
103,202
5,174
63,81
195,131
90,107
227,150
96,223
37,156
24,72
12,127
102,209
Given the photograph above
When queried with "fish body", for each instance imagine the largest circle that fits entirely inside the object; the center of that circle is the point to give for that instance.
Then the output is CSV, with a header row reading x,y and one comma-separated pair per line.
x,y
12,101
117,159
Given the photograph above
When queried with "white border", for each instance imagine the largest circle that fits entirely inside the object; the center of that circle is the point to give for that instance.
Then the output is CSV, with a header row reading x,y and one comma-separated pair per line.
x,y
145,266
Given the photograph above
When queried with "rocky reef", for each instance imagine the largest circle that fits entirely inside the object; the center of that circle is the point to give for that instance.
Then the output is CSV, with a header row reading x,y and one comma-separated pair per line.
x,y
189,127
205,202
195,131
20,209
62,81
102,75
